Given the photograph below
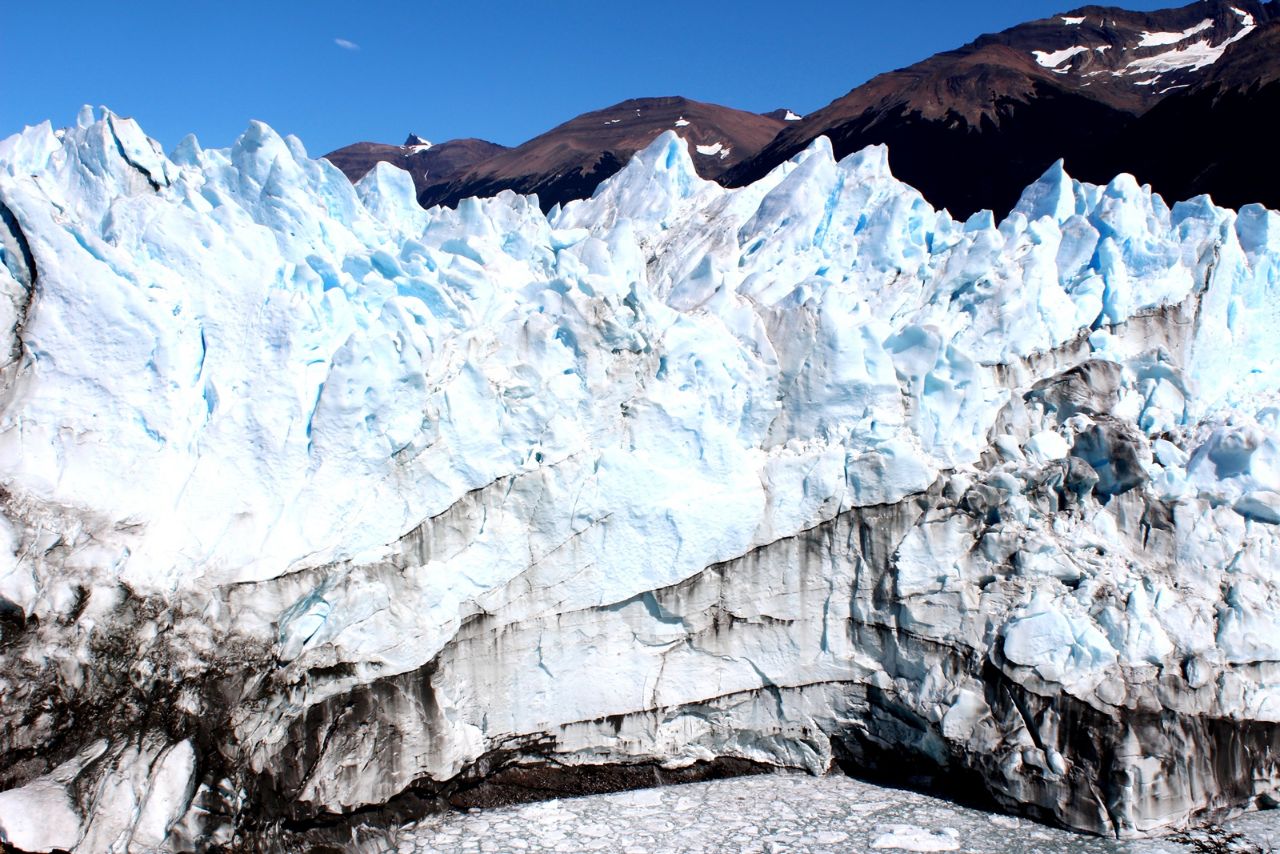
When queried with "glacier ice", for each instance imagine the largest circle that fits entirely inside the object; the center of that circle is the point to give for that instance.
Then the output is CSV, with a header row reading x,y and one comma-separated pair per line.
x,y
313,499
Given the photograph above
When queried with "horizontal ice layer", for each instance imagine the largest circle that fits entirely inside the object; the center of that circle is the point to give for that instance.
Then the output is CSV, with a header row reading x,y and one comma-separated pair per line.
x,y
317,422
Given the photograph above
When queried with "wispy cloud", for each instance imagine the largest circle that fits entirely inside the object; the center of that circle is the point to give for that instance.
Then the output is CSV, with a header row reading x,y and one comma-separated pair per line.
x,y
346,44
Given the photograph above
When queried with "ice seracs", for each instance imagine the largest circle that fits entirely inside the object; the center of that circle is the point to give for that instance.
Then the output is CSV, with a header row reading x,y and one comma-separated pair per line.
x,y
313,497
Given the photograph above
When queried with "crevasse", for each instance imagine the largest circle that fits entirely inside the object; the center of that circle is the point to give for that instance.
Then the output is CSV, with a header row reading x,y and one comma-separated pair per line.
x,y
378,498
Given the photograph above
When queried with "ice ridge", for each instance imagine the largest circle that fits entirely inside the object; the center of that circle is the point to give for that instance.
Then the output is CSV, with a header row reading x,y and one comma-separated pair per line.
x,y
254,407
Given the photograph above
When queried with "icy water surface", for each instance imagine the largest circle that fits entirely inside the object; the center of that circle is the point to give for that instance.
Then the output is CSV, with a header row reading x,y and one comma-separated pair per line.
x,y
791,814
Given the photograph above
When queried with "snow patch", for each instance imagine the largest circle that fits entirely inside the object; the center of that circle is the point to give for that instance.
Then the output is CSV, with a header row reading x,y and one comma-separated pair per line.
x,y
1052,59
1072,22
908,837
714,149
1160,39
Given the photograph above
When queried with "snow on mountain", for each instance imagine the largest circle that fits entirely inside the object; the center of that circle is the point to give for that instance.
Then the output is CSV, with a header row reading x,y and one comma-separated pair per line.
x,y
314,500
1054,58
1193,56
1007,105
1159,39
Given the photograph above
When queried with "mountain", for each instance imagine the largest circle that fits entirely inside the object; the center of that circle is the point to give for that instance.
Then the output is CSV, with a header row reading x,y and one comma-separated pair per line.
x,y
428,164
1088,86
972,126
319,509
1215,137
570,160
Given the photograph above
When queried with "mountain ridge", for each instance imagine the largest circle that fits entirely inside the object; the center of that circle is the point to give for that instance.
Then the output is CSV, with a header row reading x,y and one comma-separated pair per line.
x,y
1002,107
1007,105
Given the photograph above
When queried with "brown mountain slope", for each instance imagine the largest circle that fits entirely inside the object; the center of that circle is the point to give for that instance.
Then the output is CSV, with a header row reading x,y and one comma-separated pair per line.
x,y
428,164
569,161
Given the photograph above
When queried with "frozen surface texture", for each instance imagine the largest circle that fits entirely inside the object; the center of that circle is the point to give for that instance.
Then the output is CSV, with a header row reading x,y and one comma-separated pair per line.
x,y
780,815
316,501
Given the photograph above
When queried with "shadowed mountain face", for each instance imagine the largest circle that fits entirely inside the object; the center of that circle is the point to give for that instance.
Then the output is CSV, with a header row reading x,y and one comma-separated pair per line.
x,y
971,127
569,161
1217,137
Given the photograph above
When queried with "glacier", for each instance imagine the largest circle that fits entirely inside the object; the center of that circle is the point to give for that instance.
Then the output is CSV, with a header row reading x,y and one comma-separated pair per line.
x,y
315,503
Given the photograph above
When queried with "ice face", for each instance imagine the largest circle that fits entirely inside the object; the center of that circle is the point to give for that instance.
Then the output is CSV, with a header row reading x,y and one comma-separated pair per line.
x,y
315,421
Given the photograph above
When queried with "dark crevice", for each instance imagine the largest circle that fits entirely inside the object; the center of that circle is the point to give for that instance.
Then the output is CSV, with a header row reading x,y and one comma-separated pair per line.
x,y
21,263
155,185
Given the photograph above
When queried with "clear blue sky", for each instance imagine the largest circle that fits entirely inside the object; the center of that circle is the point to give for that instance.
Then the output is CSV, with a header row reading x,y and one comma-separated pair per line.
x,y
497,69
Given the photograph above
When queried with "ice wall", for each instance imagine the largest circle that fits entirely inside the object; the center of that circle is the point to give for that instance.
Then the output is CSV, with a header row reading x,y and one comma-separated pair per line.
x,y
313,498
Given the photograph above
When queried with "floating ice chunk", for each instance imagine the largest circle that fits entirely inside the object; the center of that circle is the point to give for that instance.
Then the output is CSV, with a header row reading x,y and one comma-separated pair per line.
x,y
908,837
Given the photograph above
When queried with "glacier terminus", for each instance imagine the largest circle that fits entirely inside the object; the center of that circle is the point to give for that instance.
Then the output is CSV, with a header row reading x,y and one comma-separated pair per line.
x,y
315,503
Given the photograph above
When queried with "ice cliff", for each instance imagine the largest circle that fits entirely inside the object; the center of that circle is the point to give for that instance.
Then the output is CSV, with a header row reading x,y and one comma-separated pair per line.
x,y
316,502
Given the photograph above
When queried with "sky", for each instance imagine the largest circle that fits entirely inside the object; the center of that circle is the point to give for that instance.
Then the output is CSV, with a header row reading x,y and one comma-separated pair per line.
x,y
340,72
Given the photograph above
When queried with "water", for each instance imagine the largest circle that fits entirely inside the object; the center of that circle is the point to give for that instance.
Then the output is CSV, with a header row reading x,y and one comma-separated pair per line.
x,y
792,814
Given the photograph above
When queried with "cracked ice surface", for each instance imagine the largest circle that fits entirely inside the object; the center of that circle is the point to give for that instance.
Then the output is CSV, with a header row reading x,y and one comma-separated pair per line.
x,y
312,498
777,814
